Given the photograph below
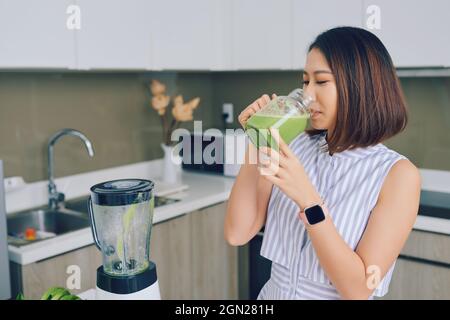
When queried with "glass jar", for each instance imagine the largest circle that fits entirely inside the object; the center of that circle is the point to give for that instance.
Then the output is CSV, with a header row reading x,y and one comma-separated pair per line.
x,y
289,114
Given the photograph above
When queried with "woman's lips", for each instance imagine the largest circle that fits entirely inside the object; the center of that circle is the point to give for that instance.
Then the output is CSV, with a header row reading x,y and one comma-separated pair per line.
x,y
315,114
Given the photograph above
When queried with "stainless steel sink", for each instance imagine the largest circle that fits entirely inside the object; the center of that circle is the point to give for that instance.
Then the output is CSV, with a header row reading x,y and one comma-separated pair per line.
x,y
81,205
72,216
45,222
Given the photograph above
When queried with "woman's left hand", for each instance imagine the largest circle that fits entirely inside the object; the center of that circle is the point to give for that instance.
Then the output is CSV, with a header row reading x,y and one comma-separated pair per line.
x,y
285,171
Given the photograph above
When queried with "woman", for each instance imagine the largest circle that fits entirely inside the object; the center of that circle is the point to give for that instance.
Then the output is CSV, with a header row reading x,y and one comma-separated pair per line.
x,y
361,198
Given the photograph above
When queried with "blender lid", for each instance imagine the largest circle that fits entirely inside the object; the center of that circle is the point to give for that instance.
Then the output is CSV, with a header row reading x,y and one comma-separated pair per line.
x,y
122,192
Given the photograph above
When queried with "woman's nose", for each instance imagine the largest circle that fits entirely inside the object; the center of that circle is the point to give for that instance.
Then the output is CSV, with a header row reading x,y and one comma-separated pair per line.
x,y
309,90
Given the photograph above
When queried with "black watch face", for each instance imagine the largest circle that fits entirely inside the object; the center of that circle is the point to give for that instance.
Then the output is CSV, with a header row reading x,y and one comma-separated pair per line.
x,y
314,214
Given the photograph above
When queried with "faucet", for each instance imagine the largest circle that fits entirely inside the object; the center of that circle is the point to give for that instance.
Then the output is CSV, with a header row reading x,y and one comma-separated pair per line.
x,y
54,197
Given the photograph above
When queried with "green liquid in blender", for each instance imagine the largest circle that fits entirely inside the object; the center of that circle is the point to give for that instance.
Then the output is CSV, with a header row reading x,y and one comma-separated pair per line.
x,y
257,128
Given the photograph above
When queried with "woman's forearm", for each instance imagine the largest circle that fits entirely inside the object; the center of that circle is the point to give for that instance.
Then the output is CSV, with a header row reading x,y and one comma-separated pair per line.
x,y
242,204
343,266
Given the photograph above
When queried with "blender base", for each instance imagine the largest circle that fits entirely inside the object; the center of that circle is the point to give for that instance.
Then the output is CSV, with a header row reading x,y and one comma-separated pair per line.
x,y
149,293
141,286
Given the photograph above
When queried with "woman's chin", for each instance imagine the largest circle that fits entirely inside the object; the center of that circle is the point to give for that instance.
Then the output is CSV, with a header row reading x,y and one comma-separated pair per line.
x,y
316,125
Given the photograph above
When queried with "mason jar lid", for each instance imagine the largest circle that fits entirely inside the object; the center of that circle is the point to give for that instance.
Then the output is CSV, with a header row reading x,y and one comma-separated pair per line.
x,y
122,192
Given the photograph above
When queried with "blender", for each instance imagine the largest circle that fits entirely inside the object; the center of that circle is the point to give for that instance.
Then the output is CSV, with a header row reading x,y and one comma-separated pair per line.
x,y
121,213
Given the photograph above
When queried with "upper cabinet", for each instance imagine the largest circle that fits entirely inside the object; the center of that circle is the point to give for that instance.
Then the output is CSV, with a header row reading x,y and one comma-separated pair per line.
x,y
35,34
188,34
415,32
115,34
261,33
310,18
209,34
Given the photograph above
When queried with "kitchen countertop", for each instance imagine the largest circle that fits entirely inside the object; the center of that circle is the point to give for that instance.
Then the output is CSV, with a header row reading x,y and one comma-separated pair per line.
x,y
434,212
204,190
197,196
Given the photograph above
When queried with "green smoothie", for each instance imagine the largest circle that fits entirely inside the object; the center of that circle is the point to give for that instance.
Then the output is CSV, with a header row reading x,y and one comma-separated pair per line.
x,y
257,128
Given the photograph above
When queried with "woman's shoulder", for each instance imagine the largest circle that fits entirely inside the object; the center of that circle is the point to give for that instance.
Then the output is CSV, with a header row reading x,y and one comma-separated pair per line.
x,y
401,169
403,182
404,170
384,151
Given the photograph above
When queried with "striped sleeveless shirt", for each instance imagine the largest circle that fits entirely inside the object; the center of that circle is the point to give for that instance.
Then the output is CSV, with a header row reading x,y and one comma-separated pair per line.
x,y
349,182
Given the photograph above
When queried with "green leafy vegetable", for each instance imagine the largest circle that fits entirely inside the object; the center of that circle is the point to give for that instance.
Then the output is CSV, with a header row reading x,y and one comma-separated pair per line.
x,y
54,293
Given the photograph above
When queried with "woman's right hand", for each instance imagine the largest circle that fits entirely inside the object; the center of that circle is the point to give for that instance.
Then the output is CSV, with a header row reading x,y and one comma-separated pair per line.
x,y
253,108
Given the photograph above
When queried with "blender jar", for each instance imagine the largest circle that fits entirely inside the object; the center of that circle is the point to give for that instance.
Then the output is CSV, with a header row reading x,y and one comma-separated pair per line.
x,y
289,114
121,213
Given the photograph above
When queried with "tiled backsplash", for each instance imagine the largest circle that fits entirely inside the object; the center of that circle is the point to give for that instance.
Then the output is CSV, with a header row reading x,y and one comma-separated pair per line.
x,y
425,141
113,110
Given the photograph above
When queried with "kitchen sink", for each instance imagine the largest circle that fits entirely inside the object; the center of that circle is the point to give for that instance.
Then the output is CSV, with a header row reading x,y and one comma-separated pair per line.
x,y
81,205
43,224
46,223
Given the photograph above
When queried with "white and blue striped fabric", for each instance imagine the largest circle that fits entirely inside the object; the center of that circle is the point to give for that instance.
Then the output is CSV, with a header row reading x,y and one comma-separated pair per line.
x,y
349,182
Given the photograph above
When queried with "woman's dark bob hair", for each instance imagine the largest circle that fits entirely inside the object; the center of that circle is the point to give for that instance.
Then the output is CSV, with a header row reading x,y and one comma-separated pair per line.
x,y
371,106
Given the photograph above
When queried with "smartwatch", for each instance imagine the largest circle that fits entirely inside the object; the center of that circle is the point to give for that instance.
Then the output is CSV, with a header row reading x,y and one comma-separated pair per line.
x,y
314,214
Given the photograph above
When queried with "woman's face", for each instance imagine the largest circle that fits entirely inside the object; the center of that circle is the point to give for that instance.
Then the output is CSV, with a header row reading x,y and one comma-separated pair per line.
x,y
319,83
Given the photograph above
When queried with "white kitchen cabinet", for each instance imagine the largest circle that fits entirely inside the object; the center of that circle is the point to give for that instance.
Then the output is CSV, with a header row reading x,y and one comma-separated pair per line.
x,y
415,32
310,18
261,34
190,35
34,34
210,34
115,34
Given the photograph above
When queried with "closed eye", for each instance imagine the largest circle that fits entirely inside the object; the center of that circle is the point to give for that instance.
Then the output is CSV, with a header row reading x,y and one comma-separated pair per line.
x,y
318,82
